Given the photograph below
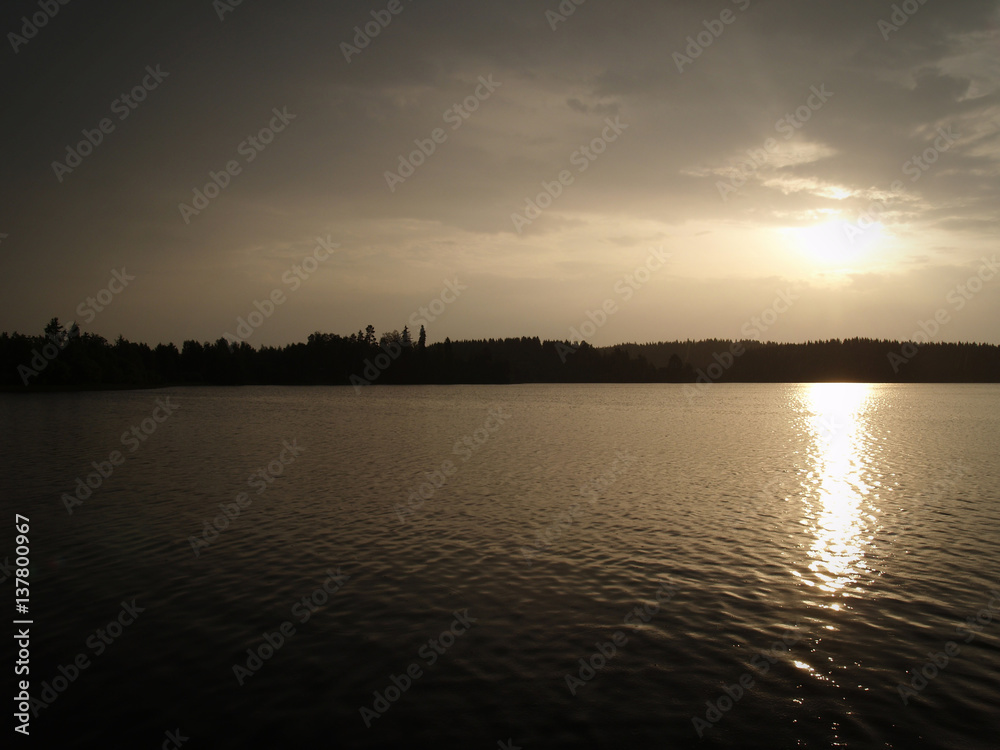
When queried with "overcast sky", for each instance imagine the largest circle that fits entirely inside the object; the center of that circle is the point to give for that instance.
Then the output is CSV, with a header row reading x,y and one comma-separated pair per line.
x,y
734,170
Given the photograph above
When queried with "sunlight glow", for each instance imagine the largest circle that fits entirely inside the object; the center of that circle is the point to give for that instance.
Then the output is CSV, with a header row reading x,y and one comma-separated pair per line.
x,y
836,242
835,414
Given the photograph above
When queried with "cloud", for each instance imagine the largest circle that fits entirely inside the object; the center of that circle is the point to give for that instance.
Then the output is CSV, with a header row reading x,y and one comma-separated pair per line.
x,y
656,184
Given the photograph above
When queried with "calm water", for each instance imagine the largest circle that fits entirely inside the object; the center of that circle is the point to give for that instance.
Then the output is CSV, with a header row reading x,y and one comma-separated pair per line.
x,y
860,523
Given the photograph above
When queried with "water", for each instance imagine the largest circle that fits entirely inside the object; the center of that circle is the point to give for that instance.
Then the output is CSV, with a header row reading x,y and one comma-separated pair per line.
x,y
858,522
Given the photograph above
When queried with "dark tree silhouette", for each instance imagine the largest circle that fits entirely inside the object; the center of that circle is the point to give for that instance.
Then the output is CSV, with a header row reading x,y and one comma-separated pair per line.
x,y
62,359
55,331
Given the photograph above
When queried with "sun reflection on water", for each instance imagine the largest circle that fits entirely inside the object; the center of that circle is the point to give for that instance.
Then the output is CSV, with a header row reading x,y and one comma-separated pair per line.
x,y
837,490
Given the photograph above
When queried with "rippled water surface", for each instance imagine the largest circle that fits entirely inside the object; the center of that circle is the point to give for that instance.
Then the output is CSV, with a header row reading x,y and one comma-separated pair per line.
x,y
488,539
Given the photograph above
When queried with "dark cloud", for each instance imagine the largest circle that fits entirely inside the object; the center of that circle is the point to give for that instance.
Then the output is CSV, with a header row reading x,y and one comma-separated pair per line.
x,y
354,122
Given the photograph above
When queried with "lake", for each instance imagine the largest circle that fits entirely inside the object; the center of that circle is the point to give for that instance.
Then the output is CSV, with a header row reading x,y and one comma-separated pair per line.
x,y
547,566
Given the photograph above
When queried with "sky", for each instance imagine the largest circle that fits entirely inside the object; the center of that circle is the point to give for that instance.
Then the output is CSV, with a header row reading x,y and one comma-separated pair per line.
x,y
640,171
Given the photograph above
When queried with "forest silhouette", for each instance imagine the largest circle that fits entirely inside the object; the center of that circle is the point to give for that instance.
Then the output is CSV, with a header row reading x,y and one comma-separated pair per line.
x,y
61,358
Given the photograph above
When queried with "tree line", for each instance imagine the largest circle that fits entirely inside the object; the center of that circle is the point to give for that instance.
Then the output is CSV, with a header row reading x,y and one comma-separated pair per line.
x,y
61,358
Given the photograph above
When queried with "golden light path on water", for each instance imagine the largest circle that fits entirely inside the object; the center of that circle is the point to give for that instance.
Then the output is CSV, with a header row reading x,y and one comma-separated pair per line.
x,y
836,511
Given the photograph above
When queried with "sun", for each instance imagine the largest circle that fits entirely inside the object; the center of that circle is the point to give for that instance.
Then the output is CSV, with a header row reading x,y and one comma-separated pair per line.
x,y
835,242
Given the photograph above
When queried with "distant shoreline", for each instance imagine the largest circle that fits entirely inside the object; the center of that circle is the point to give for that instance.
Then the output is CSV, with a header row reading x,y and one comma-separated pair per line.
x,y
47,389
71,361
